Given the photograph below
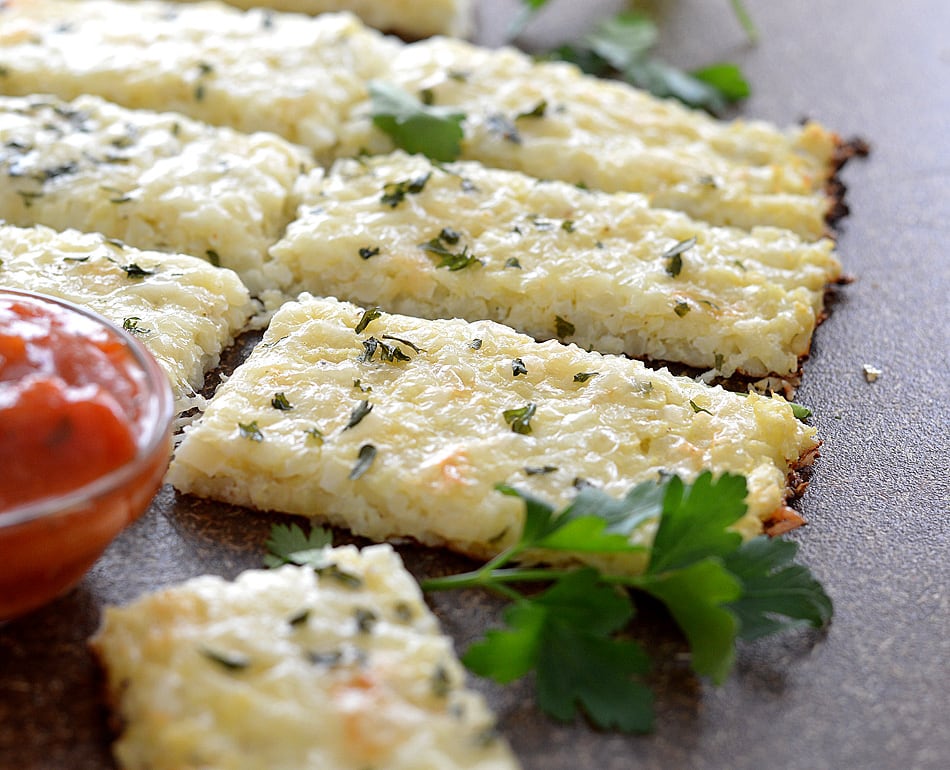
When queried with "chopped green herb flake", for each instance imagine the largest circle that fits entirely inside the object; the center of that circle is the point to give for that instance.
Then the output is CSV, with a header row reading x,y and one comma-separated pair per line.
x,y
364,460
131,325
450,236
518,367
333,571
563,327
403,612
719,360
584,376
314,434
368,316
475,344
362,409
537,111
520,419
299,618
675,256
681,308
279,401
503,127
395,193
232,661
213,257
568,225
800,412
441,682
513,262
451,260
368,252
365,620
132,270
405,342
249,430
697,408
543,470
328,659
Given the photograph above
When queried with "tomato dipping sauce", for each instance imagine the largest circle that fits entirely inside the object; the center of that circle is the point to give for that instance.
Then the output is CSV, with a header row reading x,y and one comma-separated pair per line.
x,y
85,416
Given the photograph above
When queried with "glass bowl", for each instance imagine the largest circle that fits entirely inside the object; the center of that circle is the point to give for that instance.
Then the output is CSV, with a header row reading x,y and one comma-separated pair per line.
x,y
48,543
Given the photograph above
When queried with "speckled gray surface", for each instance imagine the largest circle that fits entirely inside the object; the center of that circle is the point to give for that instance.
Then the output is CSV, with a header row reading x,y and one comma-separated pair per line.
x,y
870,693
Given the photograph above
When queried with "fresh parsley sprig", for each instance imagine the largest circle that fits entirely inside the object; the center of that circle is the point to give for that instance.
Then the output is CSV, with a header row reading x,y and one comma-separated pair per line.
x,y
717,588
571,634
621,47
414,126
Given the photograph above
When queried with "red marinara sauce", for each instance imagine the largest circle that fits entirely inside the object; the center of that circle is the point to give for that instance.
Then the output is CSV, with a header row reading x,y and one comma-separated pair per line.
x,y
84,440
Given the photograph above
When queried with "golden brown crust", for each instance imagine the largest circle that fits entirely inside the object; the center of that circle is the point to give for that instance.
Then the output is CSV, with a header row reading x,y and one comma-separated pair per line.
x,y
835,189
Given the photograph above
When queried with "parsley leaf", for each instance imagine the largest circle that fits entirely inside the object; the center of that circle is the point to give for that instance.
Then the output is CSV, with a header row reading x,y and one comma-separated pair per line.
x,y
776,594
621,46
520,419
416,127
565,636
694,521
288,544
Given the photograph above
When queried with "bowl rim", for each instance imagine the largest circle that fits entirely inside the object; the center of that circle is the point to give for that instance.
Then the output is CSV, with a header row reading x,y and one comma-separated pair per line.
x,y
155,421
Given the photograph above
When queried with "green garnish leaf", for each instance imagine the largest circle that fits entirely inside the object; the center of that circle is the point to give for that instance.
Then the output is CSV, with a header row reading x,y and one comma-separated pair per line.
x,y
279,401
584,376
726,78
416,127
407,343
364,460
213,257
369,315
362,409
513,262
475,344
697,408
776,594
315,435
695,518
520,419
681,308
518,367
289,544
539,470
565,636
249,430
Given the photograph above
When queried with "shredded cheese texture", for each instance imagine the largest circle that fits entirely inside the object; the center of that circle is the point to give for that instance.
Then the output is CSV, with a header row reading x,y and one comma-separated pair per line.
x,y
554,261
411,18
392,447
293,670
182,309
306,79
155,181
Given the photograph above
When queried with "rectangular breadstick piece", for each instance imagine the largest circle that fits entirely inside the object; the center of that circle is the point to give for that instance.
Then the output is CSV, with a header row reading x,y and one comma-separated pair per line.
x,y
154,180
333,669
182,309
404,427
554,261
307,80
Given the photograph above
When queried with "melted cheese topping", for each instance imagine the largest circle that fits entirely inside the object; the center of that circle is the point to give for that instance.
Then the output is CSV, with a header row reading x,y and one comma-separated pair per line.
x,y
549,251
407,17
155,181
609,136
184,310
324,674
306,80
441,438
